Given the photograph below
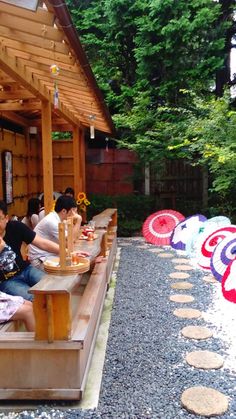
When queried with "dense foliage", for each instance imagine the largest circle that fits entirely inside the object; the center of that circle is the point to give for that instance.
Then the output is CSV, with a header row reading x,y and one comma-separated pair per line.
x,y
147,57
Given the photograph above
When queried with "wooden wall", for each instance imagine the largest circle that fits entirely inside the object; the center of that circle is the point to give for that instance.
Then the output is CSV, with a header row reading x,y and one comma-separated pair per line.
x,y
27,168
62,164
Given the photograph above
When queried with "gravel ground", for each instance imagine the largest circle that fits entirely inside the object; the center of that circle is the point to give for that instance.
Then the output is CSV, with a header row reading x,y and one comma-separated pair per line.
x,y
145,372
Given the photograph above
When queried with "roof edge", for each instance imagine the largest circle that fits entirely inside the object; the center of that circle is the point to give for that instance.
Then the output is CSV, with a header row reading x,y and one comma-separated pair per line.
x,y
62,13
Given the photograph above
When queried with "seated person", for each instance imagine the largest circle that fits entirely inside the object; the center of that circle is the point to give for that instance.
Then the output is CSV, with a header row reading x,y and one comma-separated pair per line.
x,y
69,192
48,228
32,217
16,308
42,210
16,274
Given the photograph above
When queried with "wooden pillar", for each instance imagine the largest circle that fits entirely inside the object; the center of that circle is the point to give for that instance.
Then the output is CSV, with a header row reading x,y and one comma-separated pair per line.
x,y
76,160
82,161
27,137
47,155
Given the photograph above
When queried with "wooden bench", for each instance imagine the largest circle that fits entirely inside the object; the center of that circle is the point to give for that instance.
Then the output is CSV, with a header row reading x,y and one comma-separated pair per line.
x,y
53,363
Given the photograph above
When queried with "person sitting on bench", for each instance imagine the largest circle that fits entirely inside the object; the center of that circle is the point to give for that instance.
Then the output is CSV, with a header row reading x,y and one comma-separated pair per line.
x,y
48,228
16,274
14,307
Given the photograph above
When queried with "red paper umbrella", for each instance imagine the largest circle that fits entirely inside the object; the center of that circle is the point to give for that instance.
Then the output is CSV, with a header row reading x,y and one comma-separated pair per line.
x,y
209,244
229,282
157,228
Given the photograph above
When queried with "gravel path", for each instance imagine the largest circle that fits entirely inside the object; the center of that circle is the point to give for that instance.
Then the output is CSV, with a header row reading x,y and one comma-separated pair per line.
x,y
145,371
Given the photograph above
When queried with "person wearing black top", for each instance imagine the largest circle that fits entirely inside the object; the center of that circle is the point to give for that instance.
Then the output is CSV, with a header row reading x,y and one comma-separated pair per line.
x,y
16,274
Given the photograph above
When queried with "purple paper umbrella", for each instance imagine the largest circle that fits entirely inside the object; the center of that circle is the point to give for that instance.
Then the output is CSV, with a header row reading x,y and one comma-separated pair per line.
x,y
222,256
184,230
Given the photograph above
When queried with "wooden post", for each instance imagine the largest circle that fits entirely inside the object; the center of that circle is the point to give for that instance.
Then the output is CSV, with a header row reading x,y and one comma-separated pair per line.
x,y
62,245
70,243
47,155
50,318
82,161
76,160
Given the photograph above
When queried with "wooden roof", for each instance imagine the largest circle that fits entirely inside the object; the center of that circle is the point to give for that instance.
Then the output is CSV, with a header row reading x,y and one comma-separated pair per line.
x,y
30,42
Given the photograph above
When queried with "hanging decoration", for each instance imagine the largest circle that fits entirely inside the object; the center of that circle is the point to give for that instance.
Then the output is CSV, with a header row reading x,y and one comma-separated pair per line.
x,y
55,72
92,128
107,141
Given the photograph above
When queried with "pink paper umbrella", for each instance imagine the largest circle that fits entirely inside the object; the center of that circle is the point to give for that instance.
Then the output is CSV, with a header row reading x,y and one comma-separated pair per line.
x,y
222,256
209,244
229,282
184,230
157,228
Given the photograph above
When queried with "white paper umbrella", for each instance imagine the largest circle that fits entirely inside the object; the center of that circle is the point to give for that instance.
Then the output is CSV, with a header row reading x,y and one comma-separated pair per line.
x,y
209,244
194,243
222,256
184,230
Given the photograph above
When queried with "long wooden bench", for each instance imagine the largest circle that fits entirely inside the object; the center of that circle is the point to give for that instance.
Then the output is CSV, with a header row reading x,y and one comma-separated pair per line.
x,y
53,363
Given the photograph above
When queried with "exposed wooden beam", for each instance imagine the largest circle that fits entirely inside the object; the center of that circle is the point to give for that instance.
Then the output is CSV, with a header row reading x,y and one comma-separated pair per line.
x,y
11,116
34,40
33,28
16,106
43,16
15,94
39,51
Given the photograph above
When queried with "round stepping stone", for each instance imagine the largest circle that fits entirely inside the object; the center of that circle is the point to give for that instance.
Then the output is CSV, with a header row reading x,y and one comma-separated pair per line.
x,y
179,275
181,298
204,359
187,313
156,250
166,255
182,285
184,267
204,401
210,279
196,332
180,260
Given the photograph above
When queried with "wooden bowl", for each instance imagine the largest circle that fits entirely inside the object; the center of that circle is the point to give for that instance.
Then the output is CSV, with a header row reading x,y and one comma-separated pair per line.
x,y
52,266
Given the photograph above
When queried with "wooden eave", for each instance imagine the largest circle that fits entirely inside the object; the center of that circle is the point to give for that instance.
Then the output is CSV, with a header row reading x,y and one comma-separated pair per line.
x,y
30,42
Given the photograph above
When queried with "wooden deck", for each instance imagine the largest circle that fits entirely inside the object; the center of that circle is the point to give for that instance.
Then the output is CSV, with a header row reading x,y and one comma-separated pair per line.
x,y
53,363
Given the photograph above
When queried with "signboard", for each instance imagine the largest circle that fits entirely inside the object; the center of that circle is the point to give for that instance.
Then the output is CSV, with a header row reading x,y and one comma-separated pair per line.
x,y
25,4
7,176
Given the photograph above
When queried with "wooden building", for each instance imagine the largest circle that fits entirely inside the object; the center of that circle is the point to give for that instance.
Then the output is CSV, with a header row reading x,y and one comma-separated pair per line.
x,y
46,85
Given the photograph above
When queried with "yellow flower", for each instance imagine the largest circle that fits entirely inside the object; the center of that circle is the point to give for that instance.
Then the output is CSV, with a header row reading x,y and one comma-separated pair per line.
x,y
86,201
81,196
79,201
82,207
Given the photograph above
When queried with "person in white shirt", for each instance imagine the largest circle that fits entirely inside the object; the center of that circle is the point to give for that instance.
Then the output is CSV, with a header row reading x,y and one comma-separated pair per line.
x,y
48,228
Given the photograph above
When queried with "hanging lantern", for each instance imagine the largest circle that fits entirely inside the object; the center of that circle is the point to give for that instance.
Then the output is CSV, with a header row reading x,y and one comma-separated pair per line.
x,y
92,128
107,141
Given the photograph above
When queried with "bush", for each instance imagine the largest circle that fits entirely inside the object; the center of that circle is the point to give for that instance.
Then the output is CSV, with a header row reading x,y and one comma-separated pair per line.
x,y
132,210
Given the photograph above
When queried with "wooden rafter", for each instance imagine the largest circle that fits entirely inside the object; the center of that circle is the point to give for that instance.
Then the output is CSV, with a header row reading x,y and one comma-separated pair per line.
x,y
30,42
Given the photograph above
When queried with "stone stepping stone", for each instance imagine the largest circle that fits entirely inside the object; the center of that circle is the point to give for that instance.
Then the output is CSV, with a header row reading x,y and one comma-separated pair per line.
x,y
166,255
179,275
180,260
184,267
156,250
196,332
210,279
182,285
181,298
206,360
187,313
204,401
